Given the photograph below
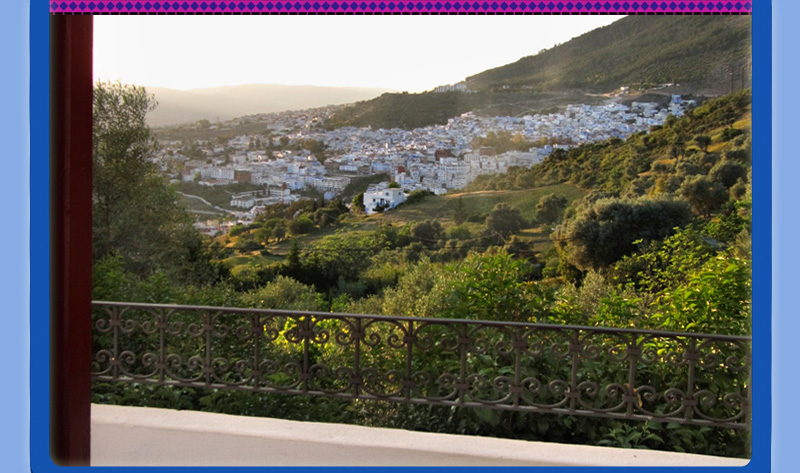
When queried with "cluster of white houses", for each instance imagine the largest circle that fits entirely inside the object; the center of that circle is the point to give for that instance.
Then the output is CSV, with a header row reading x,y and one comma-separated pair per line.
x,y
434,158
458,87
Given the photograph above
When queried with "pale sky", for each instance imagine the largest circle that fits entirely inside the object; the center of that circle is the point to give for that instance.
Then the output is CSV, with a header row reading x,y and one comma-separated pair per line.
x,y
413,53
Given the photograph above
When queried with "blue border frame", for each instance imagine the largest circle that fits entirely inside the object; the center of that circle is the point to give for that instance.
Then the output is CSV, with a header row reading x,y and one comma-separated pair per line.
x,y
40,227
40,235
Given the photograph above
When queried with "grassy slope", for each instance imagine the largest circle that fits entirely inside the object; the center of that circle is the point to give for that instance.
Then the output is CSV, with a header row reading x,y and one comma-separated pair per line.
x,y
441,208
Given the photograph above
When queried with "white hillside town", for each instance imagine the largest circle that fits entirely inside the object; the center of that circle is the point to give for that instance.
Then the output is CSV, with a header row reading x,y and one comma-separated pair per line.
x,y
437,158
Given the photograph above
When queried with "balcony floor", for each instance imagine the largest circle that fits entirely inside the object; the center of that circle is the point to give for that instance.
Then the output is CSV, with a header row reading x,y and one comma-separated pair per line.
x,y
161,437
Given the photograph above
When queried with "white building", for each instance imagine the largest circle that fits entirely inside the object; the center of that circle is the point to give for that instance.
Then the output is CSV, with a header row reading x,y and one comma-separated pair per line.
x,y
382,195
217,173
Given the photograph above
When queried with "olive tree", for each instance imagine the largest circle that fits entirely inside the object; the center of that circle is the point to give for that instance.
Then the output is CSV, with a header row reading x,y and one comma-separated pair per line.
x,y
609,229
136,215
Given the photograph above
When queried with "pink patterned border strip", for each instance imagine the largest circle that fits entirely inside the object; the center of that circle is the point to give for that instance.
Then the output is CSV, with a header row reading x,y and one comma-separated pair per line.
x,y
631,7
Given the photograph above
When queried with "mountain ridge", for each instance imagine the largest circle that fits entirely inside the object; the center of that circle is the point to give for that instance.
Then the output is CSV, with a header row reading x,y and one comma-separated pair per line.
x,y
228,102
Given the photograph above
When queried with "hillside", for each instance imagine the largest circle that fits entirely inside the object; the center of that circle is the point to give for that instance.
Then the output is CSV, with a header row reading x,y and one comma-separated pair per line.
x,y
477,206
654,162
409,111
696,52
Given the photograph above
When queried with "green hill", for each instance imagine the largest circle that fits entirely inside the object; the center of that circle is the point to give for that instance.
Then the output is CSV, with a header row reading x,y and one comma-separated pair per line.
x,y
697,52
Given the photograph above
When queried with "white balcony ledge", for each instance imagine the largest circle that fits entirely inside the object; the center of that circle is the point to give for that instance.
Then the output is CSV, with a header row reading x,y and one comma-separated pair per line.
x,y
138,436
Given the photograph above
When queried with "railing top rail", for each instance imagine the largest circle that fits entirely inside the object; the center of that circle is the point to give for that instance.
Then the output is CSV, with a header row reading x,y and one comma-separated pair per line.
x,y
244,310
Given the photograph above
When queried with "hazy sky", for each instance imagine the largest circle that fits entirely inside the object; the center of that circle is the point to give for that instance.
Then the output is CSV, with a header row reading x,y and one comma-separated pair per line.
x,y
412,53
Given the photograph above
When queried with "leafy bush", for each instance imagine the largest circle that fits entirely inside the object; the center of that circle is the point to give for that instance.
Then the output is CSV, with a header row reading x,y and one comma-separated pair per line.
x,y
608,230
417,196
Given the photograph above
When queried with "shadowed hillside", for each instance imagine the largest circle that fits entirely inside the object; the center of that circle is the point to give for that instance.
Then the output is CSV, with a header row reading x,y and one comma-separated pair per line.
x,y
695,51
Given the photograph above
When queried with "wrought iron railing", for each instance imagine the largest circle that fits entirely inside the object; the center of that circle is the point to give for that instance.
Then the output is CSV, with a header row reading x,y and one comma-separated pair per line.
x,y
687,378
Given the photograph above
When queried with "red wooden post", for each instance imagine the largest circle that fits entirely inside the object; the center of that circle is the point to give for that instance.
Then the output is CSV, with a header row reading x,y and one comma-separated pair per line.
x,y
71,237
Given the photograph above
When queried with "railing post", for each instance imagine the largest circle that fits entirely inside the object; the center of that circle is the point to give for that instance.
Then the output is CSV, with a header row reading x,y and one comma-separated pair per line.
x,y
357,378
634,353
256,328
749,407
692,355
162,344
305,330
116,321
207,329
575,351
519,344
409,340
461,385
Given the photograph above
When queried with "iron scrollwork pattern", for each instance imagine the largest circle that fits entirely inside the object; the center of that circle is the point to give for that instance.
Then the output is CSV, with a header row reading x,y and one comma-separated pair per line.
x,y
697,379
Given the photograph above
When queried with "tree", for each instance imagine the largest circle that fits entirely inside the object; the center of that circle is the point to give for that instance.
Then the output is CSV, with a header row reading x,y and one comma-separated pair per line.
x,y
727,173
293,267
730,133
416,196
550,208
314,146
609,229
702,142
301,225
491,286
459,232
284,293
703,194
393,185
279,230
136,211
460,215
325,217
428,232
503,221
525,180
358,202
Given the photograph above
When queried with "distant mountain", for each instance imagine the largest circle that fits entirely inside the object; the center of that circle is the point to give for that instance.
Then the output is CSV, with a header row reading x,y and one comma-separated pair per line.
x,y
706,55
225,103
695,51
